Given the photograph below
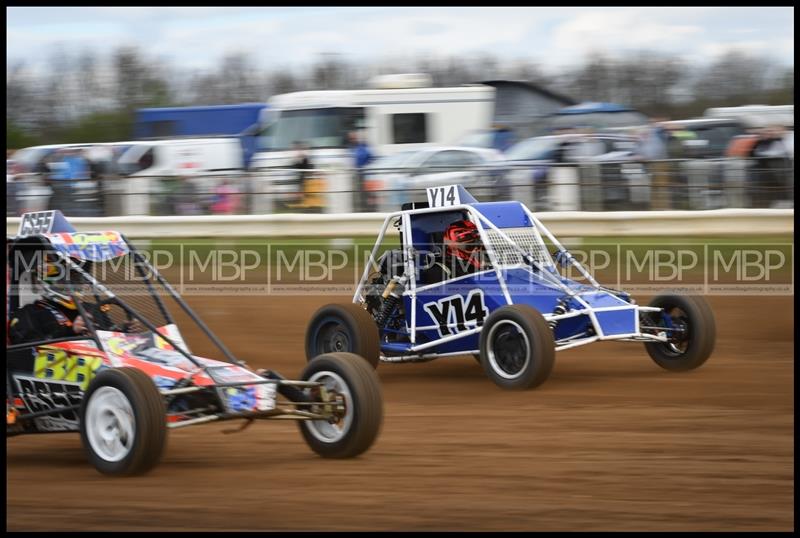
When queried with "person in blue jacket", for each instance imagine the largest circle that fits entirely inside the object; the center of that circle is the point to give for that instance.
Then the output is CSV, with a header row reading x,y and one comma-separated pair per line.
x,y
362,156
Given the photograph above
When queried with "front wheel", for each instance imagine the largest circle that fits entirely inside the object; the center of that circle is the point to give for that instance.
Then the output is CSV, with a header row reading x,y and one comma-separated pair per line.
x,y
517,349
123,422
355,405
689,324
348,327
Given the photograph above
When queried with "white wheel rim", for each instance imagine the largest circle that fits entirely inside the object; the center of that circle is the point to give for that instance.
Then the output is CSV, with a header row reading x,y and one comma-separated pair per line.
x,y
110,424
493,357
323,430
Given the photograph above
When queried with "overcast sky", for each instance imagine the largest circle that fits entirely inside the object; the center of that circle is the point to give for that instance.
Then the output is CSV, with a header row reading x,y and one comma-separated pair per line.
x,y
278,37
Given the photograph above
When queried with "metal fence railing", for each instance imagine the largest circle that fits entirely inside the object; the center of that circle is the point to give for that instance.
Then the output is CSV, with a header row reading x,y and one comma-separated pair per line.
x,y
587,186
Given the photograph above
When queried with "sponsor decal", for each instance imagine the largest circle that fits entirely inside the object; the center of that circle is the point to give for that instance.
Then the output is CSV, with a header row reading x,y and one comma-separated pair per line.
x,y
40,395
94,246
251,398
241,398
163,382
59,365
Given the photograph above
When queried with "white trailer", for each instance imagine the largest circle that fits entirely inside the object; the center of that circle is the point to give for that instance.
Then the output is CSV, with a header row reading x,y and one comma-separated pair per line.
x,y
390,117
401,112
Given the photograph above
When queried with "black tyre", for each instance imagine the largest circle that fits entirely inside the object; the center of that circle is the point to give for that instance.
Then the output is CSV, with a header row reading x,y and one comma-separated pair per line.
x,y
690,347
357,384
517,347
123,422
337,328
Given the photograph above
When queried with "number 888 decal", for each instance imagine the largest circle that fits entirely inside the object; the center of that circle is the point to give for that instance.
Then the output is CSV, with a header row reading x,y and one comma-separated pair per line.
x,y
60,366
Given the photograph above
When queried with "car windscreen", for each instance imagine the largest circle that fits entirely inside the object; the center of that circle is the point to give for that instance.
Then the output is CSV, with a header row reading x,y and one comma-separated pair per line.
x,y
718,137
318,128
598,120
135,159
28,157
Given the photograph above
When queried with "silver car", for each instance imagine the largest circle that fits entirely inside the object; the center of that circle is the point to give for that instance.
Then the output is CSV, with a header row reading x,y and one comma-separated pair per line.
x,y
391,181
606,165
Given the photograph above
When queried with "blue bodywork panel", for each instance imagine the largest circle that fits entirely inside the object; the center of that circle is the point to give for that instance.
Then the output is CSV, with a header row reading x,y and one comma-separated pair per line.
x,y
465,303
617,322
504,214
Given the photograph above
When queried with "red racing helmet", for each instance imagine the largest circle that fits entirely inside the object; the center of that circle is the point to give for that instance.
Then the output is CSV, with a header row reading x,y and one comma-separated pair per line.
x,y
462,240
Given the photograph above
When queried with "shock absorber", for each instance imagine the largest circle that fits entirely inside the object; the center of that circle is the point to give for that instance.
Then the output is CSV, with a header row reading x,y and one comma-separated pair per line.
x,y
391,297
560,308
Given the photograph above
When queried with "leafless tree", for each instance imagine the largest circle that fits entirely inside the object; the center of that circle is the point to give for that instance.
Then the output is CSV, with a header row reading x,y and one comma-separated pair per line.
x,y
77,86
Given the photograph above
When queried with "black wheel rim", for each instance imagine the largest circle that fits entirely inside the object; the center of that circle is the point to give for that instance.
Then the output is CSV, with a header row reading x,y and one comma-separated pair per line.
x,y
332,337
508,349
679,338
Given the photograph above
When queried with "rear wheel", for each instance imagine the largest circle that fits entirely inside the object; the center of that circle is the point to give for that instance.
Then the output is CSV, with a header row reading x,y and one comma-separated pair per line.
x,y
517,349
337,328
123,422
691,331
357,411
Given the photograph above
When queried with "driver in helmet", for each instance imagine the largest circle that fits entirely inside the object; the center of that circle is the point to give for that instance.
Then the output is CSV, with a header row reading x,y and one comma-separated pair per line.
x,y
54,315
463,254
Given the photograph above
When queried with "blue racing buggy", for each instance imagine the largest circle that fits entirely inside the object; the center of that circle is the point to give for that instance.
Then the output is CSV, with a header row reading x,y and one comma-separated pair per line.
x,y
512,308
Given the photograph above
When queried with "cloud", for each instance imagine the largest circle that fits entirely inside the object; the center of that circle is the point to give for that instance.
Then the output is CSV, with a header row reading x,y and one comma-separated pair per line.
x,y
621,30
289,37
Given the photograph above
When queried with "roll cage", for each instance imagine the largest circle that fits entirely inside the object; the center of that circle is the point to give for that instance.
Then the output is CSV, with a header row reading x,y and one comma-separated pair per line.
x,y
507,248
42,244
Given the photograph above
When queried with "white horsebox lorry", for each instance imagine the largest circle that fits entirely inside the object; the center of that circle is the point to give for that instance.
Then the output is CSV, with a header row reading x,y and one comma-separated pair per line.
x,y
399,113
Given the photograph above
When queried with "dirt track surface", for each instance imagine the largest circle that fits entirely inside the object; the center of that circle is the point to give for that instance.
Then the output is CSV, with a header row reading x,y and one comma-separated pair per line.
x,y
609,442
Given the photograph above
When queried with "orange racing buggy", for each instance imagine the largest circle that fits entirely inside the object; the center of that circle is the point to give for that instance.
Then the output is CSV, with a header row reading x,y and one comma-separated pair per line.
x,y
128,376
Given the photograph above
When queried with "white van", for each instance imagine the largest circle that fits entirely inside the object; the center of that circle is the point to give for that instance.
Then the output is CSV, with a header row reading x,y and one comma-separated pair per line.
x,y
144,164
181,157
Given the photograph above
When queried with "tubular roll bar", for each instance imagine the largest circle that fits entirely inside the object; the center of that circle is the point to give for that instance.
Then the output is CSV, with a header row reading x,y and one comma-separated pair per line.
x,y
190,313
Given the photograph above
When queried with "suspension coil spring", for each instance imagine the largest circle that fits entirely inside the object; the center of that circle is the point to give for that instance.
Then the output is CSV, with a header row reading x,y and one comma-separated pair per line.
x,y
557,311
388,307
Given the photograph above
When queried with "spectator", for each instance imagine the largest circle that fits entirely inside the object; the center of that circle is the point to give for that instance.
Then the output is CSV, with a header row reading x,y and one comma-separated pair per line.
x,y
301,163
502,138
741,146
676,141
67,167
80,172
78,168
653,142
771,169
11,187
301,160
226,198
182,198
362,156
671,186
57,177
